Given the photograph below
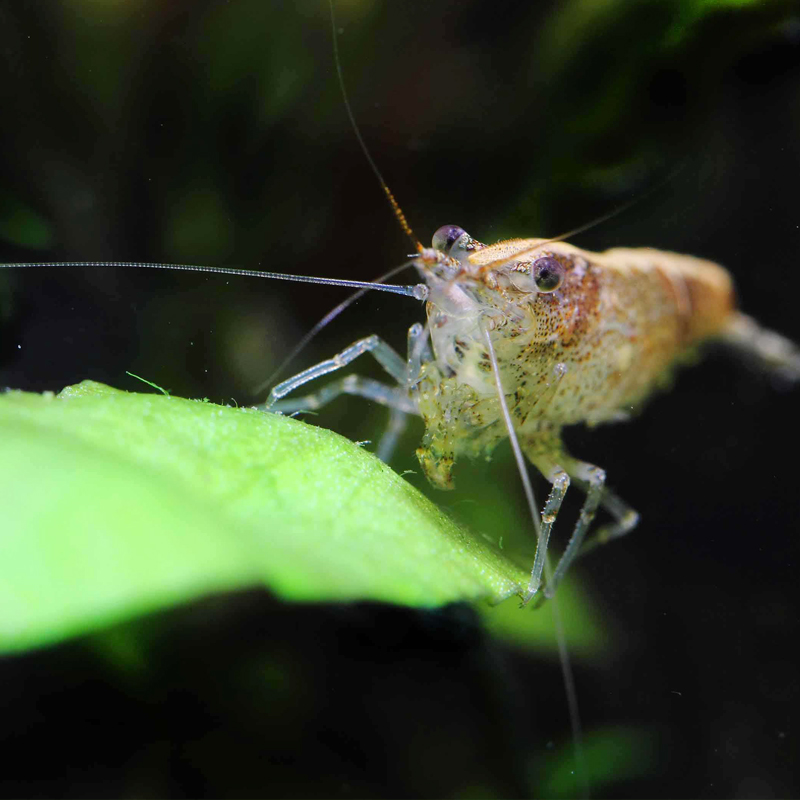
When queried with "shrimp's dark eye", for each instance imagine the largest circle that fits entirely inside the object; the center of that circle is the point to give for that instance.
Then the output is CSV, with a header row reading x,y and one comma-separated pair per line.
x,y
548,274
447,237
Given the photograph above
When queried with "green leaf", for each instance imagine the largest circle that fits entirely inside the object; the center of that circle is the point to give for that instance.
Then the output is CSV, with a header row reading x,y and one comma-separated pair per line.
x,y
116,504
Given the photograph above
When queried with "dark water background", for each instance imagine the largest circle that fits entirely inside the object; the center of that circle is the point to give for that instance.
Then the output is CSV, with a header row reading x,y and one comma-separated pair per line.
x,y
214,133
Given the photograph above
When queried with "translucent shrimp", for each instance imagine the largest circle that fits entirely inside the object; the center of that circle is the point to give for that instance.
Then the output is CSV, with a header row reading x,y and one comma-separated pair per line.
x,y
528,336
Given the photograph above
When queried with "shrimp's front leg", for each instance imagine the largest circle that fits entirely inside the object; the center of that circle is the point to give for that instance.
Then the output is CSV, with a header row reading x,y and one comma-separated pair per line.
x,y
380,350
397,398
391,396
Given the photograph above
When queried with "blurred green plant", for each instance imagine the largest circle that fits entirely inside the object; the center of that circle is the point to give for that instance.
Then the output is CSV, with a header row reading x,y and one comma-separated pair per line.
x,y
22,226
611,755
588,636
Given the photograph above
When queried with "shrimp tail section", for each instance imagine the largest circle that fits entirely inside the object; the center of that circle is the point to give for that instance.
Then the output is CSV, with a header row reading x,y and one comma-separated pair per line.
x,y
764,349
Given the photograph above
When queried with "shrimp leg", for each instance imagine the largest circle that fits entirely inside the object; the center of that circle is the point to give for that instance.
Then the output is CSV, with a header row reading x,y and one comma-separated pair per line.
x,y
625,520
383,353
391,396
397,398
418,353
560,481
594,479
546,452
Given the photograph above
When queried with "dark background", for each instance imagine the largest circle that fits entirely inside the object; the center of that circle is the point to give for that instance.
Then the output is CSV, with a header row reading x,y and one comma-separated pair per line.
x,y
214,133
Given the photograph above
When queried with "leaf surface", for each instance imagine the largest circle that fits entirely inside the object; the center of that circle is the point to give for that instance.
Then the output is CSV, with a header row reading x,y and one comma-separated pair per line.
x,y
116,504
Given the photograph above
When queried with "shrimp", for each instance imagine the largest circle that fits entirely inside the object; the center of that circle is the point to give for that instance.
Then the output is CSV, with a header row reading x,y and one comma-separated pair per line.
x,y
528,336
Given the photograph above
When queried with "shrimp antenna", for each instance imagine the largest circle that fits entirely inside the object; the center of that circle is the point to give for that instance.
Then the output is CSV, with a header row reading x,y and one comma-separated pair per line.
x,y
615,212
541,547
396,210
417,291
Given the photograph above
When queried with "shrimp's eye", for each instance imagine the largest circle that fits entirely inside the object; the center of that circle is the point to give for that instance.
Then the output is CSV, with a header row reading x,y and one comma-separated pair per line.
x,y
447,237
548,274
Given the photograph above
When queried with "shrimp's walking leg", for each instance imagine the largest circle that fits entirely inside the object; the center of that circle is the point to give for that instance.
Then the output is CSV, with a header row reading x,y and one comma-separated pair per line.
x,y
560,481
397,398
398,420
594,479
418,351
383,353
391,396
625,520
547,453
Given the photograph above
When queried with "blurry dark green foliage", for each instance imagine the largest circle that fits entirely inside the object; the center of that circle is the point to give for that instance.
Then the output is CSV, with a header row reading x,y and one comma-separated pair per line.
x,y
22,226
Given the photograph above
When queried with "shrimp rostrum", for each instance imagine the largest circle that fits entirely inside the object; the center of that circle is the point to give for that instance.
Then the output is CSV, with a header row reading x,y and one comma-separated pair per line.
x,y
527,336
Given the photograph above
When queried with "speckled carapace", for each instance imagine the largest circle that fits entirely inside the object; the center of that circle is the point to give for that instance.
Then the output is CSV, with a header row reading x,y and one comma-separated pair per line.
x,y
591,349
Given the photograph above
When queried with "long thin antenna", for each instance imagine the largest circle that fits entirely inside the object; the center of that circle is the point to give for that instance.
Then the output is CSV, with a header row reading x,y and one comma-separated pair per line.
x,y
418,291
512,436
620,209
570,690
396,210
